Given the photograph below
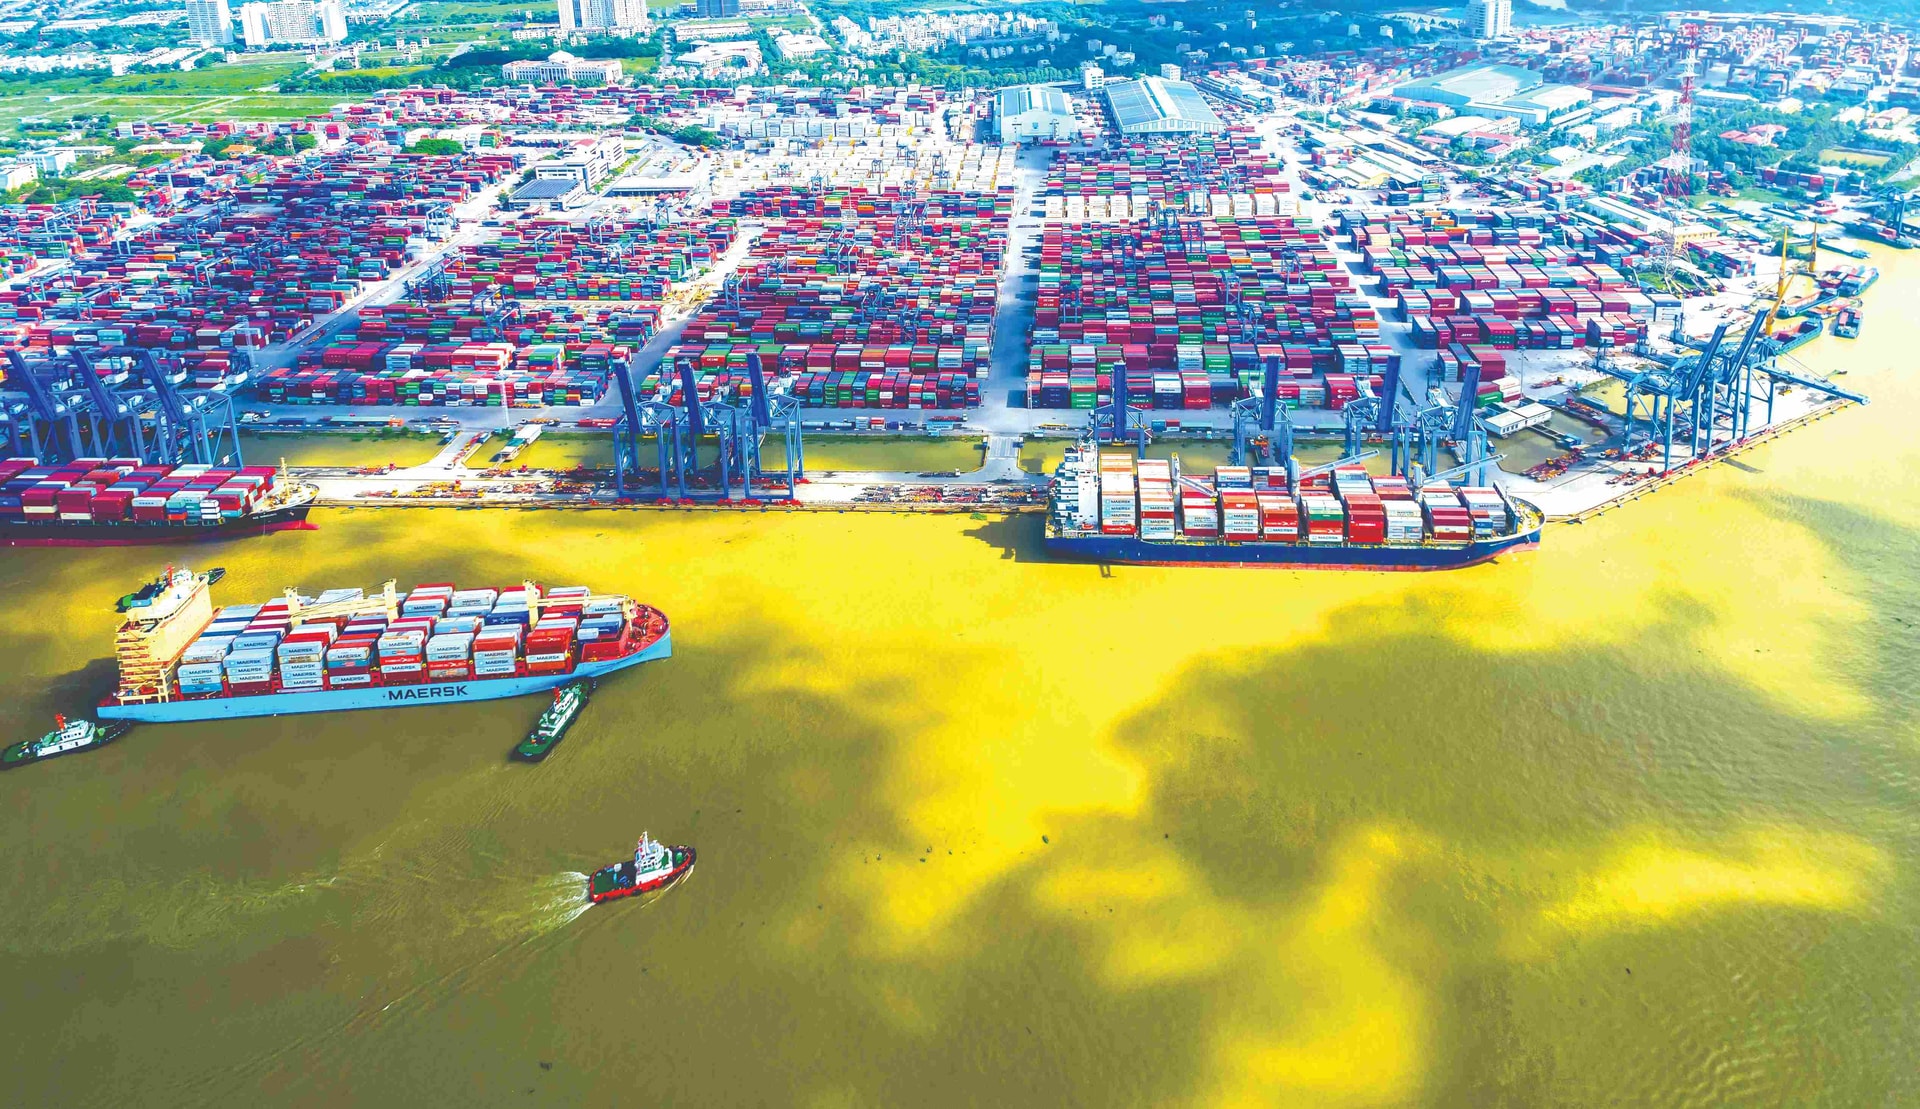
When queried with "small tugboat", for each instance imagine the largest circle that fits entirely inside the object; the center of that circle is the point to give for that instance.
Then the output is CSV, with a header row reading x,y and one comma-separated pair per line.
x,y
654,866
66,737
552,726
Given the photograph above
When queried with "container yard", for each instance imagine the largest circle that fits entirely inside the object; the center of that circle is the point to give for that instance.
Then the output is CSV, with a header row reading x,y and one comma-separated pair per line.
x,y
1153,303
856,300
276,254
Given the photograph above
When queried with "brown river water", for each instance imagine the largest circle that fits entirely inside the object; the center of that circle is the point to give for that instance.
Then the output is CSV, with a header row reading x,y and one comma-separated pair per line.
x,y
1630,820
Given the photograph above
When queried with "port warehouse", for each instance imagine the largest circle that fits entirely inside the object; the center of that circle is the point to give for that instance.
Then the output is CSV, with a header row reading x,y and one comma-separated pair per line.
x,y
856,298
348,639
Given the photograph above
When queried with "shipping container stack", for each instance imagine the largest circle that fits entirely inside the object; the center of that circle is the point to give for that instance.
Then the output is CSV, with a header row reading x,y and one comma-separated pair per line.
x,y
1153,303
290,246
856,300
1520,280
1111,493
123,491
33,233
434,355
1223,176
438,633
559,260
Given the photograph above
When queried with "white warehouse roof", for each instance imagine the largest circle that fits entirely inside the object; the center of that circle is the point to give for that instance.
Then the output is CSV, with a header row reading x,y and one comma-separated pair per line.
x,y
1154,105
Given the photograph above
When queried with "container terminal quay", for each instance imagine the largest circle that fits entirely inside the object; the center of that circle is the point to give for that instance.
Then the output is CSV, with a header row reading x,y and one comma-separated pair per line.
x,y
1239,270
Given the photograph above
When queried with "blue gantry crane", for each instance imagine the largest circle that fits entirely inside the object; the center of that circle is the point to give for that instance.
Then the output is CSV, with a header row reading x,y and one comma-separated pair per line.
x,y
1707,400
739,432
63,408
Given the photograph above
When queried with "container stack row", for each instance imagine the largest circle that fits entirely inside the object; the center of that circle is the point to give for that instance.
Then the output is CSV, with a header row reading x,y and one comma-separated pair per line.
x,y
32,233
604,260
1193,174
121,490
1193,312
856,301
291,246
456,355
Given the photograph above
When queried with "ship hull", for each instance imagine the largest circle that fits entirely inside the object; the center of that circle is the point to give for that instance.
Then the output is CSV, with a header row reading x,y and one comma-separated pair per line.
x,y
17,533
1134,551
107,735
660,883
375,697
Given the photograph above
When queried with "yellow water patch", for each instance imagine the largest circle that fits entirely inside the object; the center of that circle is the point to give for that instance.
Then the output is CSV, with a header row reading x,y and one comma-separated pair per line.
x,y
1652,880
1320,1015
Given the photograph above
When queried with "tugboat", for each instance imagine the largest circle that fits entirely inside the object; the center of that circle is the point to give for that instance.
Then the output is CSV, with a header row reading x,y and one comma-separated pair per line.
x,y
654,866
552,726
66,737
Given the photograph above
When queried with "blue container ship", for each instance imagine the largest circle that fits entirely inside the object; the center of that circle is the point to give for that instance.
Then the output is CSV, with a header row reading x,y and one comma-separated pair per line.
x,y
181,660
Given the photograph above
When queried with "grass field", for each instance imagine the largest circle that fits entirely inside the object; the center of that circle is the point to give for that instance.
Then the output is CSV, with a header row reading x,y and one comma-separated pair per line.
x,y
1862,159
567,450
162,107
853,452
362,448
437,13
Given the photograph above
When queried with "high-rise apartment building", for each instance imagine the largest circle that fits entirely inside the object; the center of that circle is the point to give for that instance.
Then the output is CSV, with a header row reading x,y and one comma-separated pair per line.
x,y
1489,19
603,17
209,23
293,23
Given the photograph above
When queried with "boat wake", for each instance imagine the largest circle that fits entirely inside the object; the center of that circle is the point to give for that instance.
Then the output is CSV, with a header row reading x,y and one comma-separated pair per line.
x,y
566,901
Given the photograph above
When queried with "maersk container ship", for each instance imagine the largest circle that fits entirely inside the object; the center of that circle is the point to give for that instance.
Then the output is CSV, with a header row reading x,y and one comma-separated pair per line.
x,y
182,660
1108,507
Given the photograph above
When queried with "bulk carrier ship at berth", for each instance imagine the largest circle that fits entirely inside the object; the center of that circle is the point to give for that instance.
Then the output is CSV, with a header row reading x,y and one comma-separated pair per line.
x,y
182,660
1110,507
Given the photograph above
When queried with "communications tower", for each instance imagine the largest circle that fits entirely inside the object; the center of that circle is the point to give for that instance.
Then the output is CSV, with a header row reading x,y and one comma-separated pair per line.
x,y
1679,182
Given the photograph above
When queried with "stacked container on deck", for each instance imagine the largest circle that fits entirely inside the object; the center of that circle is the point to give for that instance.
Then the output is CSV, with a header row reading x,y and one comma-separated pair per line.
x,y
439,633
122,491
1153,499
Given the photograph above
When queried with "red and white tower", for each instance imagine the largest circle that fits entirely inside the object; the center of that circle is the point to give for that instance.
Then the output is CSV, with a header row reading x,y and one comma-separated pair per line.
x,y
1679,180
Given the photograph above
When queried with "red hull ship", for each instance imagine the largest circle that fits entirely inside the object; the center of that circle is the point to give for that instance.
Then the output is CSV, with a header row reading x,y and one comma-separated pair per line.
x,y
654,866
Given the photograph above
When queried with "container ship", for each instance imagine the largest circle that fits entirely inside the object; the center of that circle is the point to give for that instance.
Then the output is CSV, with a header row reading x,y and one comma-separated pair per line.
x,y
103,502
1110,507
1850,281
180,659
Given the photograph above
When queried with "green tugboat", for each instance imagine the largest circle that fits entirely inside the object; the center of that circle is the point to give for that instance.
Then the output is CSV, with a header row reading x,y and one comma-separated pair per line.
x,y
66,737
552,726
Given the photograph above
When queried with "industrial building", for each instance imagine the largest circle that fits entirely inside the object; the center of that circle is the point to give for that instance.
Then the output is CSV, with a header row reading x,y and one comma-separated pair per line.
x,y
209,23
562,68
589,165
1156,106
559,193
1033,112
1501,90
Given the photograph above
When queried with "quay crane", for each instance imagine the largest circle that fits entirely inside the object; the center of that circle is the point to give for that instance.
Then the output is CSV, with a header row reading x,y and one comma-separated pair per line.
x,y
64,408
1714,389
739,431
